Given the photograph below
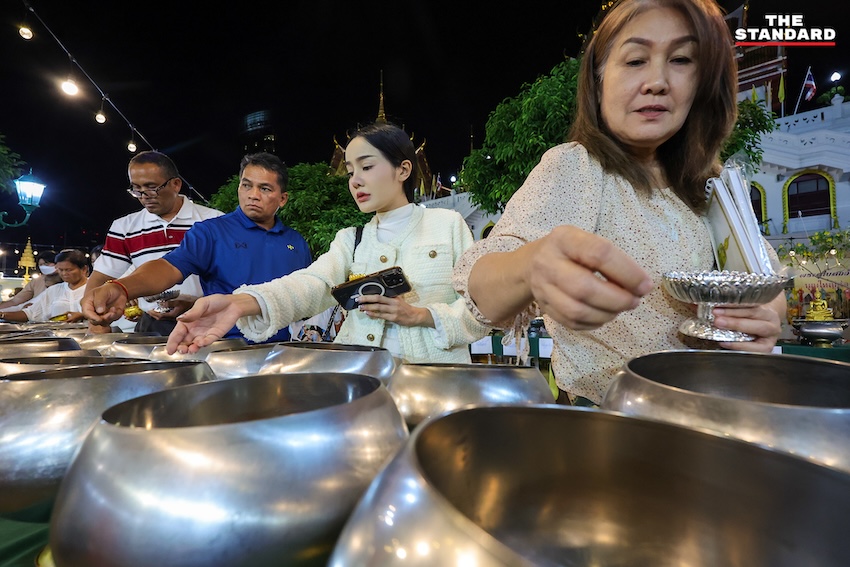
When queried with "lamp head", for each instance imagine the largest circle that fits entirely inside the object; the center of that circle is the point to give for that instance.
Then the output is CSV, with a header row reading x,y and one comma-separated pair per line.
x,y
29,190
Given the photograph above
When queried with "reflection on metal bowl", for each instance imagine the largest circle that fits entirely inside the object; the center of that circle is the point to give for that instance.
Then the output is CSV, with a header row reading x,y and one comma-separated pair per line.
x,y
159,352
796,404
53,360
31,345
103,341
134,346
550,485
330,357
238,362
261,470
45,416
425,390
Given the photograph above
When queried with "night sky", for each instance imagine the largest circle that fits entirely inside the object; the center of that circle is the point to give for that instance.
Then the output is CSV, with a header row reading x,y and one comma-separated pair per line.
x,y
185,74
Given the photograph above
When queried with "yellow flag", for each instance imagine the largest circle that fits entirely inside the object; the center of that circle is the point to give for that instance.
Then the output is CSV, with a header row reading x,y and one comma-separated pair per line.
x,y
782,87
754,96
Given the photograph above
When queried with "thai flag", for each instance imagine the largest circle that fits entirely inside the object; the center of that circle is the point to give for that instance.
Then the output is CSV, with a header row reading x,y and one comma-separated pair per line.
x,y
810,86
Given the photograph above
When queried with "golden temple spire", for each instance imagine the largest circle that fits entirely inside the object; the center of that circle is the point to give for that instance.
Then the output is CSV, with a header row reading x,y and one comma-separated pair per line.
x,y
382,116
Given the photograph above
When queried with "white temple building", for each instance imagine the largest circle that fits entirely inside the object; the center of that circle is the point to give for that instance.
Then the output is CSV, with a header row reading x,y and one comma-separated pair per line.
x,y
803,185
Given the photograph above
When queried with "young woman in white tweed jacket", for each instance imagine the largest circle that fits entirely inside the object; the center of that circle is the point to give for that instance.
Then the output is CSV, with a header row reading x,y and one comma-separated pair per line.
x,y
431,323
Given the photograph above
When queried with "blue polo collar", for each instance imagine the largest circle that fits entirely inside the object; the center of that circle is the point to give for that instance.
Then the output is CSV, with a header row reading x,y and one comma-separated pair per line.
x,y
249,224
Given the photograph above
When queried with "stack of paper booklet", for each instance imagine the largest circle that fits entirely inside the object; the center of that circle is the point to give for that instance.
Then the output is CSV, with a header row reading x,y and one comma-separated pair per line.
x,y
735,235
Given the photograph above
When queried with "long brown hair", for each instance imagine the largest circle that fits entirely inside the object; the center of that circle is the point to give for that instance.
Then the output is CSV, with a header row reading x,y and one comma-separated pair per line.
x,y
691,156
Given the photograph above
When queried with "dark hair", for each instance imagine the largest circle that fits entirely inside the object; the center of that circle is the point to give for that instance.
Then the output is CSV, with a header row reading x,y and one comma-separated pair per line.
x,y
270,162
395,145
159,159
691,156
48,256
76,257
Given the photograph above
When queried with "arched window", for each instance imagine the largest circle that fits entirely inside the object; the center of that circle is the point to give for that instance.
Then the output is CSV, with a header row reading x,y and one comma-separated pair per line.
x,y
808,195
757,199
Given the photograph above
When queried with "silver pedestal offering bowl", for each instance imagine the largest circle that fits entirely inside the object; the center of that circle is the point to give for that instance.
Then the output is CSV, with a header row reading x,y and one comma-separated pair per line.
x,y
796,404
424,390
162,298
45,416
554,485
710,289
254,471
305,356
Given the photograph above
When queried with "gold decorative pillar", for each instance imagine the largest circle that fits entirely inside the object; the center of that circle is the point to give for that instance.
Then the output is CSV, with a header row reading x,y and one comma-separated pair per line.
x,y
27,261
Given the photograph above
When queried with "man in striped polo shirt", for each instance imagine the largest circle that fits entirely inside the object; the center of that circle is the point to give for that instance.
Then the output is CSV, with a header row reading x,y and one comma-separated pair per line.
x,y
149,234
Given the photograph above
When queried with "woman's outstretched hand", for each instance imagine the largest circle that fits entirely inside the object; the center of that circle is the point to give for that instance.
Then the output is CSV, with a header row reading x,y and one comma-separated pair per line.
x,y
578,278
208,321
565,280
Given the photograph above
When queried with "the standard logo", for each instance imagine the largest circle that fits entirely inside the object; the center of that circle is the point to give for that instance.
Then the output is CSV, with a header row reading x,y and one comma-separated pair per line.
x,y
787,30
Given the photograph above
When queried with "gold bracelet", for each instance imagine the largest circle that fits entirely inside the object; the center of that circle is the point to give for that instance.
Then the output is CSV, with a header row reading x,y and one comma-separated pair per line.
x,y
122,286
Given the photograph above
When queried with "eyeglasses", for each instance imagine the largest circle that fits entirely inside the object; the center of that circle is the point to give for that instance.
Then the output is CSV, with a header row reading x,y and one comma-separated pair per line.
x,y
148,191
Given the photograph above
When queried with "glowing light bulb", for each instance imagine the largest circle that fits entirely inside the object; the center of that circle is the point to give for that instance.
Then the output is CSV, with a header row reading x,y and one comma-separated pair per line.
x,y
131,147
100,117
25,32
69,87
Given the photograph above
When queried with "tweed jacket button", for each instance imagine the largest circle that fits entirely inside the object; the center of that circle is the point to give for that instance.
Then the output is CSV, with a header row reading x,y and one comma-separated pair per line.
x,y
383,259
370,337
432,254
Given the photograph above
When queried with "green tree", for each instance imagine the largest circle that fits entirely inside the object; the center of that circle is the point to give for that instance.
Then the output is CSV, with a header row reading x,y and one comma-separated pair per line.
x,y
319,204
753,120
517,133
10,166
522,128
826,98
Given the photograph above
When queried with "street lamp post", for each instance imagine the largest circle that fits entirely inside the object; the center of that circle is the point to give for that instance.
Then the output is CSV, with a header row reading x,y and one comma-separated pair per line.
x,y
29,191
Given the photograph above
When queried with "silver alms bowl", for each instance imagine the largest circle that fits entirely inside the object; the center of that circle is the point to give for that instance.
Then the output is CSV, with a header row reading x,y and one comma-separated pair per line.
x,y
45,416
708,289
297,356
797,404
553,485
253,471
424,390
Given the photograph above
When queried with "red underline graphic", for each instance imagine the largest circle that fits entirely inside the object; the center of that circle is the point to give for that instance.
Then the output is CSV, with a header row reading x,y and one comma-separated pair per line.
x,y
785,43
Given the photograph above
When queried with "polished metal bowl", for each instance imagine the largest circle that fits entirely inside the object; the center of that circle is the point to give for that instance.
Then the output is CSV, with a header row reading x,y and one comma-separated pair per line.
x,y
425,390
103,341
254,471
305,356
134,346
159,352
238,362
554,485
58,359
793,403
45,416
21,346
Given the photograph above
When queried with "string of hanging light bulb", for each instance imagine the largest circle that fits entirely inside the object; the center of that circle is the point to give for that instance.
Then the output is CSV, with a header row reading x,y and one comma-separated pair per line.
x,y
70,87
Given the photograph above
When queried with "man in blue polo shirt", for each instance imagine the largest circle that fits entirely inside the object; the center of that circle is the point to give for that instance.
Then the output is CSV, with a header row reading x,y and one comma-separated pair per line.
x,y
248,246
